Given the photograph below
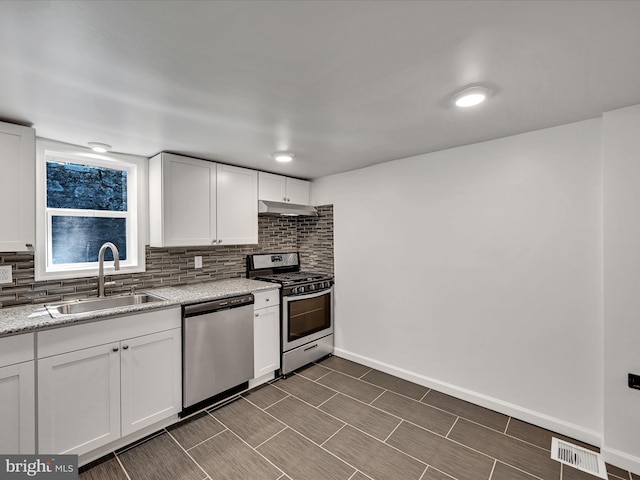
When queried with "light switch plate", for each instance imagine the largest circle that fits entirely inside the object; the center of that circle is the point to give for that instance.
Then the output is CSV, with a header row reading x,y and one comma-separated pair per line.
x,y
5,274
198,261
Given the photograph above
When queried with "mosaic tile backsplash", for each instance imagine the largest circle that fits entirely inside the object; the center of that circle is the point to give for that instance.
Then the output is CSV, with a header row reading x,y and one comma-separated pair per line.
x,y
311,236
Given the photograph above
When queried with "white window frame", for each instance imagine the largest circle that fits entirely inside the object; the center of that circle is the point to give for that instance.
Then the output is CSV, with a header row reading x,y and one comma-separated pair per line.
x,y
136,214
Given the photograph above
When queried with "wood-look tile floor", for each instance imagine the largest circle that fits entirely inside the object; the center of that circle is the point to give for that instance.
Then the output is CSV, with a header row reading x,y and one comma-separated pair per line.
x,y
338,420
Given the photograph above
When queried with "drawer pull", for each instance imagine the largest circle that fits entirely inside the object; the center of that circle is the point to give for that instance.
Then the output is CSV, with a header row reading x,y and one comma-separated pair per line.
x,y
311,347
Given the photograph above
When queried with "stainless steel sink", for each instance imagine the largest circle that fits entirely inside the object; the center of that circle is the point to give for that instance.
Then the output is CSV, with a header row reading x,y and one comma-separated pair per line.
x,y
95,304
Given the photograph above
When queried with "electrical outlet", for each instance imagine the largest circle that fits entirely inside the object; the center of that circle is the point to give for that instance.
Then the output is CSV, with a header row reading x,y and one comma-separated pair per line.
x,y
5,274
198,261
634,381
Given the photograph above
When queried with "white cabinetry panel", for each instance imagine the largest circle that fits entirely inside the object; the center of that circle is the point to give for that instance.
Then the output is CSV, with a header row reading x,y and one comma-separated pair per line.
x,y
17,187
278,188
194,202
79,400
182,201
151,379
17,415
237,204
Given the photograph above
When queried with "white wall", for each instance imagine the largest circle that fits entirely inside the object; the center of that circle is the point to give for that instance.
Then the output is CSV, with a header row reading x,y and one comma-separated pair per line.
x,y
477,270
621,140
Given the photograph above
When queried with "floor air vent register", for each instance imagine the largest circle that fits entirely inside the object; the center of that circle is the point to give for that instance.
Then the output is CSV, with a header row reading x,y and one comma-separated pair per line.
x,y
578,457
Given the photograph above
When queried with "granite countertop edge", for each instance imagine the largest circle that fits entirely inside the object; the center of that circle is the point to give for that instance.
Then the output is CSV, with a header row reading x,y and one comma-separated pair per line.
x,y
31,318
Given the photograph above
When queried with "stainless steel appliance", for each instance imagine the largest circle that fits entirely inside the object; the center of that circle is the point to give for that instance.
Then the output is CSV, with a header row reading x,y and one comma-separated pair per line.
x,y
217,350
306,307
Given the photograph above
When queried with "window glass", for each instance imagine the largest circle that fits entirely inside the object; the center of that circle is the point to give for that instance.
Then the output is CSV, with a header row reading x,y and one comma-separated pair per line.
x,y
78,239
86,187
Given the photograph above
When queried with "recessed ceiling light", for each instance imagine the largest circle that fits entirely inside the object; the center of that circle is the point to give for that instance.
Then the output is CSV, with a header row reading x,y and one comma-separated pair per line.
x,y
283,156
99,147
471,96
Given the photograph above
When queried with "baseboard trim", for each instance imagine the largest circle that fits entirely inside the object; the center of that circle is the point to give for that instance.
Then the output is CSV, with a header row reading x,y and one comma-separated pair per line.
x,y
545,421
621,459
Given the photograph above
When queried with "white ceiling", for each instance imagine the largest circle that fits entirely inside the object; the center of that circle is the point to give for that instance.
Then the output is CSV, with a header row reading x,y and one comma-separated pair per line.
x,y
342,84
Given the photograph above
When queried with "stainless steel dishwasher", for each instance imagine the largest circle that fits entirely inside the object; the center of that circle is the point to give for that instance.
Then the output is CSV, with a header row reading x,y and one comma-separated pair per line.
x,y
217,350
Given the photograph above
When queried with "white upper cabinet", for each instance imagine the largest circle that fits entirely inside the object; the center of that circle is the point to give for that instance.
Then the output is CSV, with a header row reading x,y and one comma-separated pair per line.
x,y
278,188
194,202
17,188
237,200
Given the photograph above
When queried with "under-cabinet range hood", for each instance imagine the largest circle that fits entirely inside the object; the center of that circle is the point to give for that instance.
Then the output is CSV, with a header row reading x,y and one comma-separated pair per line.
x,y
281,209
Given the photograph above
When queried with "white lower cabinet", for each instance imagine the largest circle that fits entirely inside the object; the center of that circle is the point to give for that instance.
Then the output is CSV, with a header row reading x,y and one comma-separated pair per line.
x,y
17,395
150,373
109,385
78,400
266,333
17,415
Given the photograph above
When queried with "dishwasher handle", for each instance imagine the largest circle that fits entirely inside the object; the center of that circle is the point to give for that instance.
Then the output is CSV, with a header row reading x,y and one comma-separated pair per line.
x,y
217,305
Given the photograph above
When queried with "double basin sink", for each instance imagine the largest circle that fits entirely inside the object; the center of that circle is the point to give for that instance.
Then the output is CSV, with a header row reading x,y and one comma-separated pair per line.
x,y
88,305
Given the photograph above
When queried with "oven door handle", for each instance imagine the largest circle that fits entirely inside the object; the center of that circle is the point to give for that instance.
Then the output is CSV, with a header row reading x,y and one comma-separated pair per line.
x,y
306,296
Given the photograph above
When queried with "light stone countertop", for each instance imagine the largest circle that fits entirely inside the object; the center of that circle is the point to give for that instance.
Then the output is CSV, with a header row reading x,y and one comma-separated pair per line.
x,y
16,320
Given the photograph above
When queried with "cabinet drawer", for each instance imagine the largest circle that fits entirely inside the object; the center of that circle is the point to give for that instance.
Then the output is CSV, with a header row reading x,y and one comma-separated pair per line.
x,y
266,298
99,332
16,349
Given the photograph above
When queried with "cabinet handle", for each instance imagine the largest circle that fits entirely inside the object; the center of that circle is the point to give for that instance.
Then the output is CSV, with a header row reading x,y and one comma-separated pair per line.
x,y
266,299
125,347
220,241
213,242
115,349
257,314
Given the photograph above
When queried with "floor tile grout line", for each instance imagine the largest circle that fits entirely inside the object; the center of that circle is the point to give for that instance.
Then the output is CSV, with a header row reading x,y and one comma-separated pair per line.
x,y
203,441
188,454
493,468
321,404
506,427
365,373
254,449
443,473
424,472
122,467
372,401
454,424
274,403
277,433
392,431
425,395
330,437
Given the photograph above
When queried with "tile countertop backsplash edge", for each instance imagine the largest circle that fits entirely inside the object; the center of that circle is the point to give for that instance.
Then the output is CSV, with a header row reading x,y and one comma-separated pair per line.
x,y
29,318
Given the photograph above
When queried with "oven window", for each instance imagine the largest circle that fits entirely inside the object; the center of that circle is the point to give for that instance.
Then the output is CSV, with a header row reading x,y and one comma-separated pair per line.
x,y
309,316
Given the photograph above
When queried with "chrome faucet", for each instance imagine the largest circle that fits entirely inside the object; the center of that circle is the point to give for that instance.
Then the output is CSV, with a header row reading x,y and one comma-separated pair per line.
x,y
116,265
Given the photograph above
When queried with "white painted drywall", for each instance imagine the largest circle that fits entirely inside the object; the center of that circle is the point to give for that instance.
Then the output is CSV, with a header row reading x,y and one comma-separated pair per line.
x,y
621,147
478,270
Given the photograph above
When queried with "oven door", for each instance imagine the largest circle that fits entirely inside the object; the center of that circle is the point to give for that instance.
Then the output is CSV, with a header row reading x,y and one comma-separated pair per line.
x,y
306,318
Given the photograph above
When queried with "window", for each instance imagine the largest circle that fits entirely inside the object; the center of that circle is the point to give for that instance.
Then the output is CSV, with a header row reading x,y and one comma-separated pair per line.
x,y
85,200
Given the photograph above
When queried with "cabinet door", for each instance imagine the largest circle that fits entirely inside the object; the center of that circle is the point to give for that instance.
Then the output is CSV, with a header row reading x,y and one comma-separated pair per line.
x,y
18,412
17,187
272,187
266,341
237,201
79,400
151,379
183,211
298,191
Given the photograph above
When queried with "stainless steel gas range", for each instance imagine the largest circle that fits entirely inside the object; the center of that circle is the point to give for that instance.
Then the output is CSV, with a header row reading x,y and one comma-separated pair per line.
x,y
306,307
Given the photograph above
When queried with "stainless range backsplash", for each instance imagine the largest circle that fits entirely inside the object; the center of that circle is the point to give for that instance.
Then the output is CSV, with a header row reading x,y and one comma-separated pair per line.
x,y
311,236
